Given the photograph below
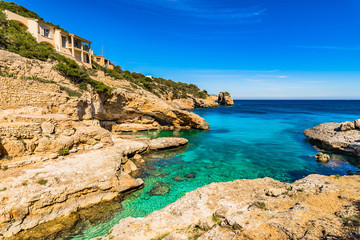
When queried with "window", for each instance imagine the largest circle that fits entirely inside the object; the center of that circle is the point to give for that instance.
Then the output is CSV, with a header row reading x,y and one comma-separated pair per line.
x,y
63,41
45,32
69,38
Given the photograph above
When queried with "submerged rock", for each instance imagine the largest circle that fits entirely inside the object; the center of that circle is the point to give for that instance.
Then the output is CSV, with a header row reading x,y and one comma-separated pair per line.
x,y
190,175
177,178
159,189
320,157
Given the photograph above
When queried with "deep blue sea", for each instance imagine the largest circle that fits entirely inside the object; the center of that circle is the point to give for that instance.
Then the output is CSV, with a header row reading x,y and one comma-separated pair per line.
x,y
253,139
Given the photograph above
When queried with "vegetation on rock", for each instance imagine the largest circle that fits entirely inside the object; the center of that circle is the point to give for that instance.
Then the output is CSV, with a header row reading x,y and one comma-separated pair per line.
x,y
158,86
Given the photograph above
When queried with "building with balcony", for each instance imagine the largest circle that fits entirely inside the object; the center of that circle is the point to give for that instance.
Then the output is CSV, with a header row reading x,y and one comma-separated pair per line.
x,y
102,61
63,42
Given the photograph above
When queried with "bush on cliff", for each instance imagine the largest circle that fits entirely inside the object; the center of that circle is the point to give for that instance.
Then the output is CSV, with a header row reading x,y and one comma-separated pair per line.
x,y
15,38
158,86
70,69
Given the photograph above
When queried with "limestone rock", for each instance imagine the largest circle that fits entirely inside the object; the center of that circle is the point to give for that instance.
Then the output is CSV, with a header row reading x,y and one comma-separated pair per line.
x,y
346,126
129,167
47,128
357,124
137,157
328,136
13,147
225,98
320,157
163,143
221,211
75,182
275,192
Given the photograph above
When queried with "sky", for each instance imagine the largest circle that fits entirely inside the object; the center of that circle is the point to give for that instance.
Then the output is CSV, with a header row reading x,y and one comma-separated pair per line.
x,y
254,49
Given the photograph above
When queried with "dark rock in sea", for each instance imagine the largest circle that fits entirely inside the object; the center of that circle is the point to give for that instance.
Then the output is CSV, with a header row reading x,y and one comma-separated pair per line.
x,y
150,167
210,166
159,189
177,179
163,174
353,173
323,158
190,175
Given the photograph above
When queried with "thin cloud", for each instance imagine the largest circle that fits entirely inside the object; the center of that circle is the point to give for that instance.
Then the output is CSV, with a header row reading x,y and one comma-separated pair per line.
x,y
273,76
349,48
219,12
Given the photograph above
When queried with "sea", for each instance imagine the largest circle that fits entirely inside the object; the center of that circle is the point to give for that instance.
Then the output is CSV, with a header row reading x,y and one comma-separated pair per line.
x,y
252,139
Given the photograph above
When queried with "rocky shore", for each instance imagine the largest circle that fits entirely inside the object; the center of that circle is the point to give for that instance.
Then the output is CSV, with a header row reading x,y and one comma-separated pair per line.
x,y
316,207
48,189
336,137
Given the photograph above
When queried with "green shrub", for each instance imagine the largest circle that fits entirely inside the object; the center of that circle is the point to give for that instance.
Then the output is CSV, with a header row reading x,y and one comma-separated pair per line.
x,y
70,69
42,181
5,167
215,218
3,189
15,38
6,157
63,152
70,92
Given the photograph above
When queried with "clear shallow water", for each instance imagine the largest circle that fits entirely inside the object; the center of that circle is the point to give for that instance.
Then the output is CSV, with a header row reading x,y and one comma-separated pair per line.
x,y
252,139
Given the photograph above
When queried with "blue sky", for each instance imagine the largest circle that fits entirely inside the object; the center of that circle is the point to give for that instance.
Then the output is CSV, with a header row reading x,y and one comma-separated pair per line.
x,y
251,48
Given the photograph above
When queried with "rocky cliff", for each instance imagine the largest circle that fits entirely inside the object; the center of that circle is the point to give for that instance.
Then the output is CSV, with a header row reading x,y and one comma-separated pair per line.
x,y
31,82
316,207
337,137
225,98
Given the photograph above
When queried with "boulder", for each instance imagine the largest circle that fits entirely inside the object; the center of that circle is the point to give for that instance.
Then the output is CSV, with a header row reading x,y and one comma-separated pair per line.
x,y
225,98
14,147
274,192
323,158
129,167
357,124
47,128
166,142
347,126
137,157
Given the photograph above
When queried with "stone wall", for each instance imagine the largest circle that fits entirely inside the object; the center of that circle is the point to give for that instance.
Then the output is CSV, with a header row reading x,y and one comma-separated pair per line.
x,y
15,93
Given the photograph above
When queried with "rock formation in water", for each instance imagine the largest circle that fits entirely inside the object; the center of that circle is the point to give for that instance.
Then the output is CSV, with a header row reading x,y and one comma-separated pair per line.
x,y
336,137
316,207
225,98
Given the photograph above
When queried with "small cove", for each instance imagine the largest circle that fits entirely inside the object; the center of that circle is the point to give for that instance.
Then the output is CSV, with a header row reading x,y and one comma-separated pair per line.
x,y
253,139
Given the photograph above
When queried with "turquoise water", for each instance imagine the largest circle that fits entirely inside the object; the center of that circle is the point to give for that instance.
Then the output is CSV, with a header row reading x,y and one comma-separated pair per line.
x,y
252,139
